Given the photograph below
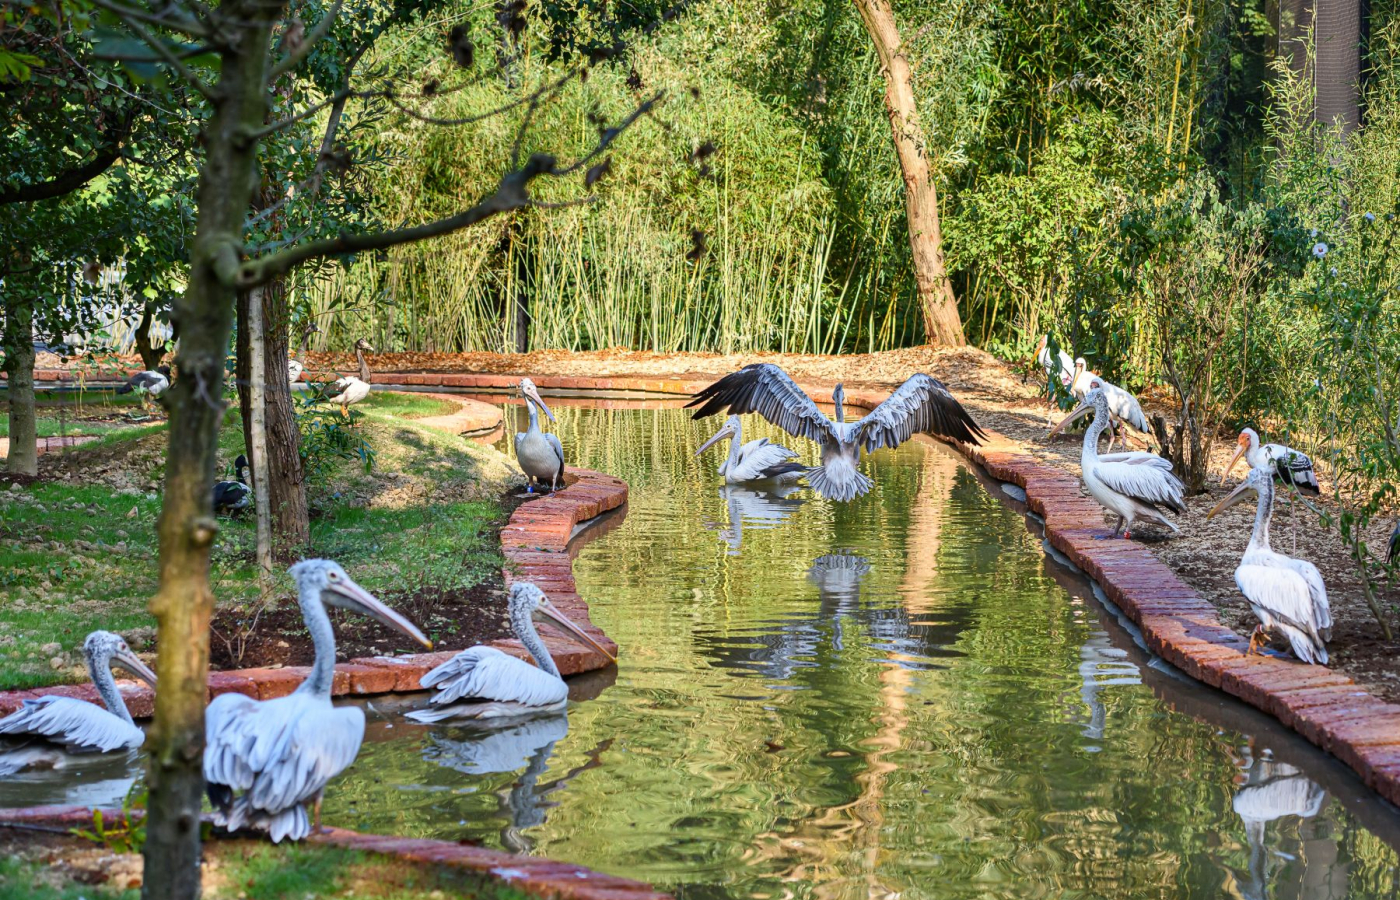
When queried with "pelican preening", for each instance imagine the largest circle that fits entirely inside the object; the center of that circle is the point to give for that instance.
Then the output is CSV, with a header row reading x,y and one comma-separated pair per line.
x,y
756,461
1290,466
921,404
233,496
484,683
75,725
1061,367
351,389
1130,484
281,753
1123,405
1284,593
540,454
295,365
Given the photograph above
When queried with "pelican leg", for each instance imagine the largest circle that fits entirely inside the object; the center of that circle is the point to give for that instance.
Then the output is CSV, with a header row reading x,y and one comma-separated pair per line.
x,y
1255,640
316,813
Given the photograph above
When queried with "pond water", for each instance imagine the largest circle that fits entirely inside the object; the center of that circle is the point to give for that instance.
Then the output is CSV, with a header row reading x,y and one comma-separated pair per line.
x,y
900,696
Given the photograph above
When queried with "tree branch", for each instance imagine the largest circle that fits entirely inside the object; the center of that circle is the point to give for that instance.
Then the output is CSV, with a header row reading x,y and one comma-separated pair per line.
x,y
299,53
156,44
72,179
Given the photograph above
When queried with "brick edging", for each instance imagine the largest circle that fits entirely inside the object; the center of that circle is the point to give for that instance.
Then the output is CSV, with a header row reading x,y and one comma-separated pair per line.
x,y
535,544
535,875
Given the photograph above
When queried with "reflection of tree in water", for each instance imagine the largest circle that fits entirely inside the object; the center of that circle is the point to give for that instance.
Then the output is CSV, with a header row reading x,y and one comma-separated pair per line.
x,y
527,743
1272,791
757,509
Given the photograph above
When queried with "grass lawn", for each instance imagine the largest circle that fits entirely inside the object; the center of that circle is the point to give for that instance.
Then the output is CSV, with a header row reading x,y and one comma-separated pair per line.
x,y
75,412
78,549
236,869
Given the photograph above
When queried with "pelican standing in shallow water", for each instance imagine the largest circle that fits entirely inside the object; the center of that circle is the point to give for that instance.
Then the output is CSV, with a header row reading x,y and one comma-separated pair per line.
x,y
281,753
1290,466
351,389
484,683
921,404
76,725
1284,593
540,454
1131,484
756,461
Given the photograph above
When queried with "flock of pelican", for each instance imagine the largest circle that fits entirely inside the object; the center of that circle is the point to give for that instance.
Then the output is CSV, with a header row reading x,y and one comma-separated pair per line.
x,y
267,762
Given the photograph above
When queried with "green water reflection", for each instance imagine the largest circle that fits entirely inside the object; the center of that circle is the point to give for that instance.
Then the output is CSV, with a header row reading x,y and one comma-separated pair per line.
x,y
924,713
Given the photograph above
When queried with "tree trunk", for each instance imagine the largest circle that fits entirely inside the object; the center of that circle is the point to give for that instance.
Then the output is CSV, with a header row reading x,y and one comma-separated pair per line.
x,y
285,481
257,440
23,458
184,602
150,356
940,307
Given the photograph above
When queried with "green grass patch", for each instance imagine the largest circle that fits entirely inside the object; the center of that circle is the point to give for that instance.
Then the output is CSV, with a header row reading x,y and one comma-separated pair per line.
x,y
24,880
407,406
80,554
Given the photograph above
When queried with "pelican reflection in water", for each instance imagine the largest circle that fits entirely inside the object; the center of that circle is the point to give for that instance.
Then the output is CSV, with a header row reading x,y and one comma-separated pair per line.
x,y
1272,791
838,577
755,508
1102,665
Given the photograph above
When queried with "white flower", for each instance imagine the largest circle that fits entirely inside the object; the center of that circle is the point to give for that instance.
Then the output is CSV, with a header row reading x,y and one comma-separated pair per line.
x,y
1319,249
1334,271
1369,217
1313,234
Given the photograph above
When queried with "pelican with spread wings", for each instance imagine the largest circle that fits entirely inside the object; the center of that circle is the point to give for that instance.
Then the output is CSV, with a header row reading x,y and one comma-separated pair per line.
x,y
921,404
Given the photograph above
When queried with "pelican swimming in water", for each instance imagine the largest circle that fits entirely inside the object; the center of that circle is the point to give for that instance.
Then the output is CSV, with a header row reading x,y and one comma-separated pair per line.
x,y
1284,593
921,404
756,461
77,726
1290,466
351,388
281,753
1131,484
484,683
540,454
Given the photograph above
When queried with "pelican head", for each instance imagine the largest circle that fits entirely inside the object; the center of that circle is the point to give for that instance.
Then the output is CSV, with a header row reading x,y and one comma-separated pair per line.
x,y
240,468
363,344
730,429
1247,441
1091,402
532,395
103,650
527,600
1258,482
327,580
1040,347
838,397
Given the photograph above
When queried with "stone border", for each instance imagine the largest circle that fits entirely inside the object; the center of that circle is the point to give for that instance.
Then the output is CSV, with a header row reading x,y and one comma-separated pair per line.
x,y
535,544
1326,707
534,875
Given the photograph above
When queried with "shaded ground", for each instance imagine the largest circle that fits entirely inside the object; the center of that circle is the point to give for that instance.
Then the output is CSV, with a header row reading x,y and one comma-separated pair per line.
x,y
37,865
1000,396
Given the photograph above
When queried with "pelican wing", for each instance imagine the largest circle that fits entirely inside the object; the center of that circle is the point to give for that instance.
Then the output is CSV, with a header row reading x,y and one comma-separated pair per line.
x,y
1283,594
1146,483
1293,467
767,390
282,752
338,387
1138,458
757,457
74,723
554,444
1125,406
487,674
921,404
1317,591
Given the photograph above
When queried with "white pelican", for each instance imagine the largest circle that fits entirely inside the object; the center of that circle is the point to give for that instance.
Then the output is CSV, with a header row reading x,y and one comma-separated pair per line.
x,y
232,496
151,383
921,404
540,454
1129,484
1290,466
77,726
755,461
484,683
1284,593
1123,405
351,389
281,753
295,366
1061,367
